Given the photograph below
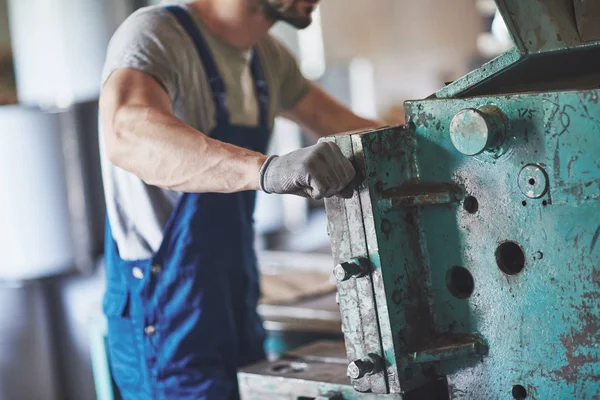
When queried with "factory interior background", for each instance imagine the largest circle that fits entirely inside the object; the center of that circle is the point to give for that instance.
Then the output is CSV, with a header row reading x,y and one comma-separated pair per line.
x,y
372,55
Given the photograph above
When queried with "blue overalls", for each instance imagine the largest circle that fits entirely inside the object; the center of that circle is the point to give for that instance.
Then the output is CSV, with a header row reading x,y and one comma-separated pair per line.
x,y
182,322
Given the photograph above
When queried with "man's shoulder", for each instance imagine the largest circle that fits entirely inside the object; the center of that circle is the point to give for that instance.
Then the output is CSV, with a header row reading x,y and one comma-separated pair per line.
x,y
273,50
151,19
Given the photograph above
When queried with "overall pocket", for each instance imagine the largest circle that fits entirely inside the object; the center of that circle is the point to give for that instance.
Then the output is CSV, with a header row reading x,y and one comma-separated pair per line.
x,y
123,352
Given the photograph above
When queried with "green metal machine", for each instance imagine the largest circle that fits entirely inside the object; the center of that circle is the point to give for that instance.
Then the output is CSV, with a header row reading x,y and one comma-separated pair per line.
x,y
470,252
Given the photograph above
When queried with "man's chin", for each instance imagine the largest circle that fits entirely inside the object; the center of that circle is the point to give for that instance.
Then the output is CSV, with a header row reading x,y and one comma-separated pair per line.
x,y
298,22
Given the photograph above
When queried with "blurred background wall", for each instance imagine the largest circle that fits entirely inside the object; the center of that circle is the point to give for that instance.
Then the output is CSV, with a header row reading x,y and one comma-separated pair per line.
x,y
372,55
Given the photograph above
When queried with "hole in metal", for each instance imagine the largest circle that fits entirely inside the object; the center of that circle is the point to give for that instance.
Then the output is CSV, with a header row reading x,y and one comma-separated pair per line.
x,y
510,258
524,203
519,392
471,205
544,203
531,181
460,282
290,368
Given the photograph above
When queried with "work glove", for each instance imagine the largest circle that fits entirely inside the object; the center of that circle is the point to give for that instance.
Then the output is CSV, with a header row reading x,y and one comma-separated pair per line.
x,y
317,171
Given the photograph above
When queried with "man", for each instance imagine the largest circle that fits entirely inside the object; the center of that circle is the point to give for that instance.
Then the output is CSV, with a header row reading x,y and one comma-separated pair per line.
x,y
188,102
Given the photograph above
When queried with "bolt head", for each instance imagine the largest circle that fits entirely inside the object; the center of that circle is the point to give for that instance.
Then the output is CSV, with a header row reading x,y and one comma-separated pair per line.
x,y
341,273
359,368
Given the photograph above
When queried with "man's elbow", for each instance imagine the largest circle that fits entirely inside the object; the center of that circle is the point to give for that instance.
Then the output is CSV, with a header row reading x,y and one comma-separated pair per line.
x,y
116,136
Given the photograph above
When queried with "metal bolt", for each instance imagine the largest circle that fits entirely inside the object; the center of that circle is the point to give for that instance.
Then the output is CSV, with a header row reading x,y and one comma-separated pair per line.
x,y
347,270
138,273
359,368
150,330
474,130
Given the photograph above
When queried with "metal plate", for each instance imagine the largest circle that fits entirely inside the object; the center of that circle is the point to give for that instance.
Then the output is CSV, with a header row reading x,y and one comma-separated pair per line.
x,y
536,301
308,373
357,300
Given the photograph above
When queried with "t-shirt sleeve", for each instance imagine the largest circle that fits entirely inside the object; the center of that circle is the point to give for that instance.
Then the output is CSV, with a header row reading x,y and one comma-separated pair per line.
x,y
293,85
145,42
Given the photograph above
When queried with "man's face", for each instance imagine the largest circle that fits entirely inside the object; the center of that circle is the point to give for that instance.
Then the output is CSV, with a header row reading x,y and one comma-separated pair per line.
x,y
297,13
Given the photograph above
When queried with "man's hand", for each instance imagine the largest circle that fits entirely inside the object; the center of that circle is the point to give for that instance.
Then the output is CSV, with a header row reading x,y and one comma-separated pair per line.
x,y
317,171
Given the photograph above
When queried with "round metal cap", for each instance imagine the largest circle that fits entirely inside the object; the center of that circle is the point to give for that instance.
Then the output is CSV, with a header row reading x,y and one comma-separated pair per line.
x,y
470,131
473,131
533,181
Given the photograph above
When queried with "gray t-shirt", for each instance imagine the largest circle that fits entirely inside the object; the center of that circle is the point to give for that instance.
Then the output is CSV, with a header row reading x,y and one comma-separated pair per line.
x,y
151,40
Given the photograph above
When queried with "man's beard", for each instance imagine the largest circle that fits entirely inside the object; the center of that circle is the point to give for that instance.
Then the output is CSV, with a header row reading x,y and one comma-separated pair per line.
x,y
287,11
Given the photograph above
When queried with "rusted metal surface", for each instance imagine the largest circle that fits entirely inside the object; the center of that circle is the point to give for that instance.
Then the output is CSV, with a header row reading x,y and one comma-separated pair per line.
x,y
500,293
539,313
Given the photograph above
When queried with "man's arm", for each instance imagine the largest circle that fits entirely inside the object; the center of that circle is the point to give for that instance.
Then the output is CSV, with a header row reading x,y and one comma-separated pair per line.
x,y
142,136
322,115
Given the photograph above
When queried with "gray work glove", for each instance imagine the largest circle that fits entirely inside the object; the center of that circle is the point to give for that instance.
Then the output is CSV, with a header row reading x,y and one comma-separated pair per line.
x,y
317,171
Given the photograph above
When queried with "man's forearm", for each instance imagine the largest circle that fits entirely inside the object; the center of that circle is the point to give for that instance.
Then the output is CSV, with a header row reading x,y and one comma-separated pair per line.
x,y
164,151
353,123
322,115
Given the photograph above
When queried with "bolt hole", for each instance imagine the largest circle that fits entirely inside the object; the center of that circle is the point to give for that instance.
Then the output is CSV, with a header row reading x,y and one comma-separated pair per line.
x,y
524,203
460,282
531,181
519,392
544,203
510,258
290,368
471,205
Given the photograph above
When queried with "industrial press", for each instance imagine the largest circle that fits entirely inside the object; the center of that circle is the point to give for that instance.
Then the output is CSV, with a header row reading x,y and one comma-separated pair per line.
x,y
468,260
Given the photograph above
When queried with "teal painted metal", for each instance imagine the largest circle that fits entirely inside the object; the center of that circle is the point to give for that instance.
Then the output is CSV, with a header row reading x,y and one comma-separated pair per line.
x,y
480,76
542,325
558,49
524,225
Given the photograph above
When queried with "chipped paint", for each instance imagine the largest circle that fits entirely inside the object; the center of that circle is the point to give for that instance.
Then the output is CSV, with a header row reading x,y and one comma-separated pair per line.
x,y
540,325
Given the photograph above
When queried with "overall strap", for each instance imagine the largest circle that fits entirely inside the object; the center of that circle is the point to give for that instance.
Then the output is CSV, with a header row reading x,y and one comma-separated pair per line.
x,y
217,84
262,89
